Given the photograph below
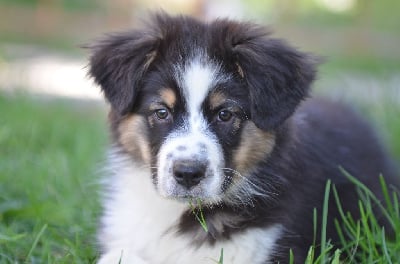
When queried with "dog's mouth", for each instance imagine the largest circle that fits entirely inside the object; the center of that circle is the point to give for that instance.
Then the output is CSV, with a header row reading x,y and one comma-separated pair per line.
x,y
216,189
188,182
189,199
207,191
197,192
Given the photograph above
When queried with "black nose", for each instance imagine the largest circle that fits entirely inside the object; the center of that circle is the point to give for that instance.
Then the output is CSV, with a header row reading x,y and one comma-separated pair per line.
x,y
188,173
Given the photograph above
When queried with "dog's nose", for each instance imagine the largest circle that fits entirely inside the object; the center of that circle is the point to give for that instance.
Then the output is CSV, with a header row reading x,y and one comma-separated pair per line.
x,y
188,173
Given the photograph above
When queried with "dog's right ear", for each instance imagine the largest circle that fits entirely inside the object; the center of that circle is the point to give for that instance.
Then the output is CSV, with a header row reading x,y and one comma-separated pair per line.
x,y
118,63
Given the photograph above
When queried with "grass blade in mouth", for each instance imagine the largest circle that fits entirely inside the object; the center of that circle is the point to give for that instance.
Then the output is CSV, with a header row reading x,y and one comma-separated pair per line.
x,y
198,213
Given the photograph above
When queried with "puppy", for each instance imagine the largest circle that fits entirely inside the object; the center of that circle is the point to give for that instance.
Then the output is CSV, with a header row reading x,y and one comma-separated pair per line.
x,y
209,120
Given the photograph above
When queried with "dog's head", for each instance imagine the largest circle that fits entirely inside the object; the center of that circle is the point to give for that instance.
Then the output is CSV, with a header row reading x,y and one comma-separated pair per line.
x,y
199,103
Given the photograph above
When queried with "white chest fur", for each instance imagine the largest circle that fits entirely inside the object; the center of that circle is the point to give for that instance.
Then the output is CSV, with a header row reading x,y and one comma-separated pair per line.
x,y
137,227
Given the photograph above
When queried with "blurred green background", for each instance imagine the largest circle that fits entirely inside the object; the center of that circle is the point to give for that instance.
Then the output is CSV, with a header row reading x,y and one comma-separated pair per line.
x,y
53,133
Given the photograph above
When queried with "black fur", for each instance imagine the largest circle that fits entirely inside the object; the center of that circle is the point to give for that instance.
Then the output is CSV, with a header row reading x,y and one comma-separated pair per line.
x,y
277,75
313,138
118,65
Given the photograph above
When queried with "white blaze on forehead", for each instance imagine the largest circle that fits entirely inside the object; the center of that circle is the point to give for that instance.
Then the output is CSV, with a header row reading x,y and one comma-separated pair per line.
x,y
196,79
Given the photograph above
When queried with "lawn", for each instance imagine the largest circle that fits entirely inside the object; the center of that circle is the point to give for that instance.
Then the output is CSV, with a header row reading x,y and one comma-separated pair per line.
x,y
50,151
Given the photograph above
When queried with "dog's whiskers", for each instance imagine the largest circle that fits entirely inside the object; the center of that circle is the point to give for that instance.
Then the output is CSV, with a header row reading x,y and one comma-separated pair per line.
x,y
245,190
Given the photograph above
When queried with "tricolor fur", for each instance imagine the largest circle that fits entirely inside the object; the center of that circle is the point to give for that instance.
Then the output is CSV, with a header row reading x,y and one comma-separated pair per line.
x,y
213,112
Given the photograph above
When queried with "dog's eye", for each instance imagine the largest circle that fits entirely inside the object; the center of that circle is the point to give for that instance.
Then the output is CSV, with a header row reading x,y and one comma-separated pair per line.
x,y
162,113
224,115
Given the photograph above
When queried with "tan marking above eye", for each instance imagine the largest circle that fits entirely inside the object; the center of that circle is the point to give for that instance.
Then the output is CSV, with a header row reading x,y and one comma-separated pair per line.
x,y
169,97
217,99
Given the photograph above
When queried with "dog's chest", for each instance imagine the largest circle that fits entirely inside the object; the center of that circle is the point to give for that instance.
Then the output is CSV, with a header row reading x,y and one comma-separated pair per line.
x,y
139,226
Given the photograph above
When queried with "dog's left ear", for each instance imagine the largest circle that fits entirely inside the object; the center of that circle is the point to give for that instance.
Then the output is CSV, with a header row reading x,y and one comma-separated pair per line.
x,y
118,63
278,76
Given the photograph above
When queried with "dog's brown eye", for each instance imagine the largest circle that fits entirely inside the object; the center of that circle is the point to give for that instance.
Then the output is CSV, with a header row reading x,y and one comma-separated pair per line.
x,y
162,113
224,115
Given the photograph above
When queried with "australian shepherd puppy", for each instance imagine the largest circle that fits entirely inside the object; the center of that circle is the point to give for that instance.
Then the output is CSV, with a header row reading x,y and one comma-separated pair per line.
x,y
209,120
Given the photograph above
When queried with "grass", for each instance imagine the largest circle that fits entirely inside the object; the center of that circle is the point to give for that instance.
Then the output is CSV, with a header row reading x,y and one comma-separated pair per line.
x,y
49,151
198,214
363,240
197,211
48,191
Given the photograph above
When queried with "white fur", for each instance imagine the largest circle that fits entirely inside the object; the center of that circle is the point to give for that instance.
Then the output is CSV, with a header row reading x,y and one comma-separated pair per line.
x,y
139,226
210,187
196,78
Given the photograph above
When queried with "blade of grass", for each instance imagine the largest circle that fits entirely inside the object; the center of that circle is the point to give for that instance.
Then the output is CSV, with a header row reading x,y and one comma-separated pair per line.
x,y
368,247
336,258
35,242
5,239
384,248
354,244
315,226
351,228
396,205
370,194
386,196
323,257
201,219
341,212
221,257
310,255
342,239
325,220
291,257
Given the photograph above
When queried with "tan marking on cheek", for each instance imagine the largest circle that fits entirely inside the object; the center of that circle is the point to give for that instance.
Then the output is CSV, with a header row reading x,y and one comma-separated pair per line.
x,y
133,136
217,99
255,145
169,97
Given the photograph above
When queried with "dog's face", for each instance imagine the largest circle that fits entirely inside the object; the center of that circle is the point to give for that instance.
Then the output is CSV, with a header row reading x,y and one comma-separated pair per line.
x,y
200,141
199,104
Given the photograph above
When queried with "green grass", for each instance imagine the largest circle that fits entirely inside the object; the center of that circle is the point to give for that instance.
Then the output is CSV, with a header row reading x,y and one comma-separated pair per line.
x,y
48,190
49,205
70,5
365,63
363,240
198,213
